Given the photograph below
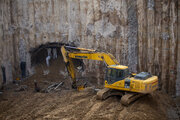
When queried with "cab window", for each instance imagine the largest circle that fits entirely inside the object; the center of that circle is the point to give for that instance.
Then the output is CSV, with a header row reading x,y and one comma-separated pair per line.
x,y
114,75
120,73
111,72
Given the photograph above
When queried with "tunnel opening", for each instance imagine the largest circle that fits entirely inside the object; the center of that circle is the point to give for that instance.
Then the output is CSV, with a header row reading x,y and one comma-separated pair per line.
x,y
46,74
52,69
39,54
57,70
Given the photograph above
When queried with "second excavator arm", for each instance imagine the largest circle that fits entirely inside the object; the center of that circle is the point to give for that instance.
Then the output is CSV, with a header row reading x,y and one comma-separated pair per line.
x,y
82,53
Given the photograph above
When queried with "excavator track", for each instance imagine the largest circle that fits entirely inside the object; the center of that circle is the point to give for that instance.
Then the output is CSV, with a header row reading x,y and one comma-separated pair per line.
x,y
128,98
103,94
107,92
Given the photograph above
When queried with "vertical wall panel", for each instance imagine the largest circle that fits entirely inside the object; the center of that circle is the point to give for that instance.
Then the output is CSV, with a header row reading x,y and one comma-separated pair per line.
x,y
165,45
16,32
178,55
150,35
31,13
132,35
73,20
158,40
122,30
142,34
172,46
13,18
25,22
1,38
6,40
37,22
141,13
90,30
83,19
63,20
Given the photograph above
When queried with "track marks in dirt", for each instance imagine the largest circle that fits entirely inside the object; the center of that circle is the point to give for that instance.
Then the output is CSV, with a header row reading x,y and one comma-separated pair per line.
x,y
74,105
92,110
107,109
69,104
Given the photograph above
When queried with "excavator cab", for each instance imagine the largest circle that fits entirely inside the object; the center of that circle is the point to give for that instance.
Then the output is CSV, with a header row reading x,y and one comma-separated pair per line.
x,y
116,73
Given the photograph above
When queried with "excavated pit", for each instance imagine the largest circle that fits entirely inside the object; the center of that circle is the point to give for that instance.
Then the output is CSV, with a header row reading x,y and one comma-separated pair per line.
x,y
142,34
71,104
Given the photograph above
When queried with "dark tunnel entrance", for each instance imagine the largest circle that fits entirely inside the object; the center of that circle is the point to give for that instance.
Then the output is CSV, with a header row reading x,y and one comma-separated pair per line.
x,y
55,70
39,54
47,74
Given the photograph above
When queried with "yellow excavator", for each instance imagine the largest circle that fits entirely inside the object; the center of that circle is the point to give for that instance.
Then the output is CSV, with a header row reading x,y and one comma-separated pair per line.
x,y
118,80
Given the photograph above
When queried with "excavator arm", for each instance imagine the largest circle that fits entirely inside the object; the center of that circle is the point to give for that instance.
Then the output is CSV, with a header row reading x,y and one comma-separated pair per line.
x,y
69,65
82,53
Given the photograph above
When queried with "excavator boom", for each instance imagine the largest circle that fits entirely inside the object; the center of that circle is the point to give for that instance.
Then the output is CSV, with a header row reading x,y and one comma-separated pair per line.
x,y
106,57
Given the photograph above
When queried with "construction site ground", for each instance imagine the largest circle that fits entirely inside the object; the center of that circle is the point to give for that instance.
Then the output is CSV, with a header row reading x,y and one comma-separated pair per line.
x,y
69,104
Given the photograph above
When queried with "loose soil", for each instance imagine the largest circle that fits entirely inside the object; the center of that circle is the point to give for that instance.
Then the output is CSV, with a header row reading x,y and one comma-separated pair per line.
x,y
69,104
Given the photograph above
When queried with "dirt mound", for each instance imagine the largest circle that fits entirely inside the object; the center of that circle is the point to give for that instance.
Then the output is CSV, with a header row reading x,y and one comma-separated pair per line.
x,y
46,76
70,104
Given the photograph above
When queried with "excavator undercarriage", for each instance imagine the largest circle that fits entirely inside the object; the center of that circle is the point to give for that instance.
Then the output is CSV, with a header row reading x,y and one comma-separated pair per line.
x,y
126,97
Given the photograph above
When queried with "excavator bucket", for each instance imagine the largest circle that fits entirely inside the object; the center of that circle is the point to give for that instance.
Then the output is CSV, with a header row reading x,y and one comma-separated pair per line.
x,y
79,88
79,64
